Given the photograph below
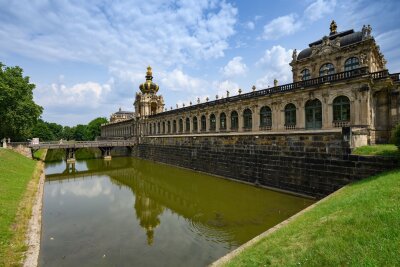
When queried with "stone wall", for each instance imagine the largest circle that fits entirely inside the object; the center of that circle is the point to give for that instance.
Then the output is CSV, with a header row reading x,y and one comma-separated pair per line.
x,y
313,164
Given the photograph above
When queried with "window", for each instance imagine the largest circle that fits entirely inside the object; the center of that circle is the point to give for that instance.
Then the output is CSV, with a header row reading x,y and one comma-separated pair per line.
x,y
351,64
222,121
326,69
174,126
247,117
305,75
341,109
163,127
234,120
203,123
265,116
180,125
159,127
195,127
169,127
213,122
150,129
313,110
290,115
187,126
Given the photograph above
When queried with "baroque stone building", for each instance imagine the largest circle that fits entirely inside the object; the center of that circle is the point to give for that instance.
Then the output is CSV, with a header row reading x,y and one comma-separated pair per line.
x,y
338,81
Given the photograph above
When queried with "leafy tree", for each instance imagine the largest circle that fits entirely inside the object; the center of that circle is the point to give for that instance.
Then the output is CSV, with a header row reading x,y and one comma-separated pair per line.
x,y
68,133
56,129
18,112
43,131
93,129
80,133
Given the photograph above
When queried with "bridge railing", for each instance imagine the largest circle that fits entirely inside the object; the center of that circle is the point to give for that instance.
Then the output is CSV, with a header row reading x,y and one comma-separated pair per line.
x,y
82,144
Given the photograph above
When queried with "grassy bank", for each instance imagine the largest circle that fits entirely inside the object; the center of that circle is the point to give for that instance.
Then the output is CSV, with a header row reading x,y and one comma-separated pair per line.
x,y
356,226
378,150
19,177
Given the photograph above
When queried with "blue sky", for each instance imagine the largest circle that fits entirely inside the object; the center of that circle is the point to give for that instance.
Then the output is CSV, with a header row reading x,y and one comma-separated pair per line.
x,y
88,58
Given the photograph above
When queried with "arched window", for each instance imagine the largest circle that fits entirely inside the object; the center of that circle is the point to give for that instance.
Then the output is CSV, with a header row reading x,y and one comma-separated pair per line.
x,y
265,117
341,109
195,124
351,64
163,127
169,126
290,115
213,122
305,74
326,69
159,127
174,126
313,110
222,121
234,121
247,119
149,129
203,123
180,125
187,126
154,128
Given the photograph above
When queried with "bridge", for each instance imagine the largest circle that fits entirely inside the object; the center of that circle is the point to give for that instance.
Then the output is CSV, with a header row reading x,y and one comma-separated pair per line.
x,y
70,147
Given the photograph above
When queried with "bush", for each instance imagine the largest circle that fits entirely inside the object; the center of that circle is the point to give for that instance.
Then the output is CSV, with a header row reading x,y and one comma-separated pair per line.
x,y
395,138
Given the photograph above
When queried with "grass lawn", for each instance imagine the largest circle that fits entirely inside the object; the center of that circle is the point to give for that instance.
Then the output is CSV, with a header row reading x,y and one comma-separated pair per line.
x,y
379,150
358,225
18,184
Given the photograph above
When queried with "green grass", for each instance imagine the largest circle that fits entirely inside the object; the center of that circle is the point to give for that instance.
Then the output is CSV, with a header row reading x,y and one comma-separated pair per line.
x,y
378,150
356,226
18,179
40,154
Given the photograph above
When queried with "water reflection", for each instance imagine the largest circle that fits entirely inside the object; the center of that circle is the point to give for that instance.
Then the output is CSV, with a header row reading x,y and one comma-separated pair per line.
x,y
180,213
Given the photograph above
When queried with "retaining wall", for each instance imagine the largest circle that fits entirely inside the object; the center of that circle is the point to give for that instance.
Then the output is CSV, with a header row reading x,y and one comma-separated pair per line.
x,y
314,164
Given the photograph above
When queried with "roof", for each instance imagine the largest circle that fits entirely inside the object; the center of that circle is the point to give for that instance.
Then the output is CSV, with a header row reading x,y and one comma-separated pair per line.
x,y
347,38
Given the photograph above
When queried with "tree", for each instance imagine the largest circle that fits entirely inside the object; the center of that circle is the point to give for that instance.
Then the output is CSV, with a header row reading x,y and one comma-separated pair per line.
x,y
93,129
80,133
43,131
18,112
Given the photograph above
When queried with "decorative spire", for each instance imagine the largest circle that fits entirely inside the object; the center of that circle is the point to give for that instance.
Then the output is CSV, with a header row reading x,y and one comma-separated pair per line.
x,y
333,28
149,74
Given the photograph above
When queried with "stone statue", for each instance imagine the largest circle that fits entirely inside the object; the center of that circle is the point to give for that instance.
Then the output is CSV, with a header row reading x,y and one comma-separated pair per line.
x,y
366,31
240,91
275,82
198,100
183,104
177,106
227,93
363,59
207,99
294,55
216,97
253,88
190,103
333,27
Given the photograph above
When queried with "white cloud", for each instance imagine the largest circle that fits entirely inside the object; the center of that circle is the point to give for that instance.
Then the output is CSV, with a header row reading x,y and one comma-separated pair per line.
x,y
88,95
226,85
319,9
136,32
275,63
176,80
235,67
281,26
250,25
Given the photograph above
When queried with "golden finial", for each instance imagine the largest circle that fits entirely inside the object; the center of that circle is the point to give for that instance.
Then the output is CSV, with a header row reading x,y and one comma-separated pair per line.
x,y
333,27
149,72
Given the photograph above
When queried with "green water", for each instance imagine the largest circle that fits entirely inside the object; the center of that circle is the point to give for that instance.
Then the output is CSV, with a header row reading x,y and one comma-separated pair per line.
x,y
131,212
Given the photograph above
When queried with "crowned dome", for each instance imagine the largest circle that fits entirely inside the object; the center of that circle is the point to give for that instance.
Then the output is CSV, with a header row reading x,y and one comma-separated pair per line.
x,y
148,87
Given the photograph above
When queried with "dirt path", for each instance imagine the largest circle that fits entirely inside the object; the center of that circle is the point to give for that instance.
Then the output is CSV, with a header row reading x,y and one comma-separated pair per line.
x,y
35,226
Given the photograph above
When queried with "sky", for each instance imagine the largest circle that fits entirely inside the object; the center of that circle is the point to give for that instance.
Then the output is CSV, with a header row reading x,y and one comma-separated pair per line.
x,y
87,58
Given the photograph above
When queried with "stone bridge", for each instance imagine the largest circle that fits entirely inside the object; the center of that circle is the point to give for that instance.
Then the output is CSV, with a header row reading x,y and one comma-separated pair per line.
x,y
70,147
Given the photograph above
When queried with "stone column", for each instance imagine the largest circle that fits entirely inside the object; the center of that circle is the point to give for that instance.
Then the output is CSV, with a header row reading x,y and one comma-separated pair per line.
x,y
240,120
228,120
217,121
256,118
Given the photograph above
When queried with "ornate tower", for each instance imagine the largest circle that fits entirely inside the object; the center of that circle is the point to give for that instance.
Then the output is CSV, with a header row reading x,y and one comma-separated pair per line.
x,y
147,102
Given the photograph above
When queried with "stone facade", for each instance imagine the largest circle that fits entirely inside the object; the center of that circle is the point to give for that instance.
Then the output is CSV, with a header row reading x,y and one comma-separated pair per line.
x,y
339,81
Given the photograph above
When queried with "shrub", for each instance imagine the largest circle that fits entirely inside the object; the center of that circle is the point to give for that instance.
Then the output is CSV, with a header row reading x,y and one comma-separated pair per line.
x,y
395,138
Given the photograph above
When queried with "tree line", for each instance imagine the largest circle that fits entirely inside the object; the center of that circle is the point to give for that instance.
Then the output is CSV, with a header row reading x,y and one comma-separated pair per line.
x,y
20,116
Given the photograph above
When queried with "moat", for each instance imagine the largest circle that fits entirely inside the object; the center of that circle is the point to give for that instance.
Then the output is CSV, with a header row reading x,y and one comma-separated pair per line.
x,y
132,212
